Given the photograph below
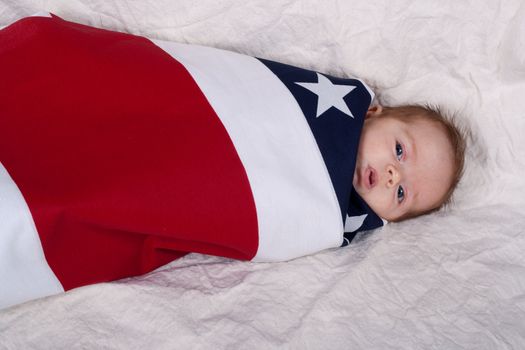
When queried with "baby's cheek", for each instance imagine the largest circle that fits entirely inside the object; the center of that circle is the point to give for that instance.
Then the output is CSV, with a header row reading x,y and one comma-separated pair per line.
x,y
380,202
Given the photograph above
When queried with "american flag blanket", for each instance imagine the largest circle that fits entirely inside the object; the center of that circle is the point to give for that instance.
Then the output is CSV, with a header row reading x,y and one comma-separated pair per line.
x,y
119,154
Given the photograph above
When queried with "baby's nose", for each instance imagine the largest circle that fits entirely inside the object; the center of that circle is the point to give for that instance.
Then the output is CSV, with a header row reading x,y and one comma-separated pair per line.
x,y
393,177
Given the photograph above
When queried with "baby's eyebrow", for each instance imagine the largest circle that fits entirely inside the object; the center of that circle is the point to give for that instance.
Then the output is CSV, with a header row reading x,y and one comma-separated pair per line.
x,y
412,143
415,195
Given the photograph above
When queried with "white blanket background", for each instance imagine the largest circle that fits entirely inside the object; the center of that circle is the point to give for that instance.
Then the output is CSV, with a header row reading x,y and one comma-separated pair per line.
x,y
452,280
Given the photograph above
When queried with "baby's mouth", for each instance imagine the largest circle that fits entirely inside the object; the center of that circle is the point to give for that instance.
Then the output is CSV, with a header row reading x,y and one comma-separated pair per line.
x,y
370,178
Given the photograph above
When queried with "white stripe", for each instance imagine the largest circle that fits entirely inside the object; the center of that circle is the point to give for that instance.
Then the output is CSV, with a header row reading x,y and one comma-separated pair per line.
x,y
297,209
24,272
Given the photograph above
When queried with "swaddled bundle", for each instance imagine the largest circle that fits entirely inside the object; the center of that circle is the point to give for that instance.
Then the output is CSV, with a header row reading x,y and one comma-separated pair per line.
x,y
119,154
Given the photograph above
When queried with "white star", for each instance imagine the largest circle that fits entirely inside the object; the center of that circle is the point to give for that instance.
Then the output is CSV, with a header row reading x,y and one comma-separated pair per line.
x,y
329,94
352,223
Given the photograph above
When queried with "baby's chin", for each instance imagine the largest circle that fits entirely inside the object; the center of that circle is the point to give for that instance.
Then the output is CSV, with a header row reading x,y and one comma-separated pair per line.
x,y
357,183
357,171
355,180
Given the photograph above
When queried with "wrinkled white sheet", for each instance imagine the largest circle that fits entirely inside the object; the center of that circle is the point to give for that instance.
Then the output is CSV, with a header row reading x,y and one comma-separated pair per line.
x,y
453,280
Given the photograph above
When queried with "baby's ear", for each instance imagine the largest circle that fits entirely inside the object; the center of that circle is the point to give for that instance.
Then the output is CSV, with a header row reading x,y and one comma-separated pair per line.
x,y
374,111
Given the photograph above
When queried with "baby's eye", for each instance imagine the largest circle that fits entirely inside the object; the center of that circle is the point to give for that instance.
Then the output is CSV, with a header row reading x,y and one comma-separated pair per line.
x,y
399,151
400,194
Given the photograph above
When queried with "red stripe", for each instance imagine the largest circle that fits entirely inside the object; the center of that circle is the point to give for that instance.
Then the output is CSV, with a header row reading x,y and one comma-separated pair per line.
x,y
122,161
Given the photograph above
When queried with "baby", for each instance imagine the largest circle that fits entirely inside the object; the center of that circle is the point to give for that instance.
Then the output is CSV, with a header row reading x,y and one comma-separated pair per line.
x,y
409,161
121,154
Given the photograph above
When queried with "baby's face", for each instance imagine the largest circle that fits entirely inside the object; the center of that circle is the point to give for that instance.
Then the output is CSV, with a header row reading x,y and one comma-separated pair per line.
x,y
402,167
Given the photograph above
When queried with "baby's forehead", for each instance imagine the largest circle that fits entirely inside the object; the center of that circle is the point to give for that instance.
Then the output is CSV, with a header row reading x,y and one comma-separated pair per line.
x,y
412,118
435,162
421,124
